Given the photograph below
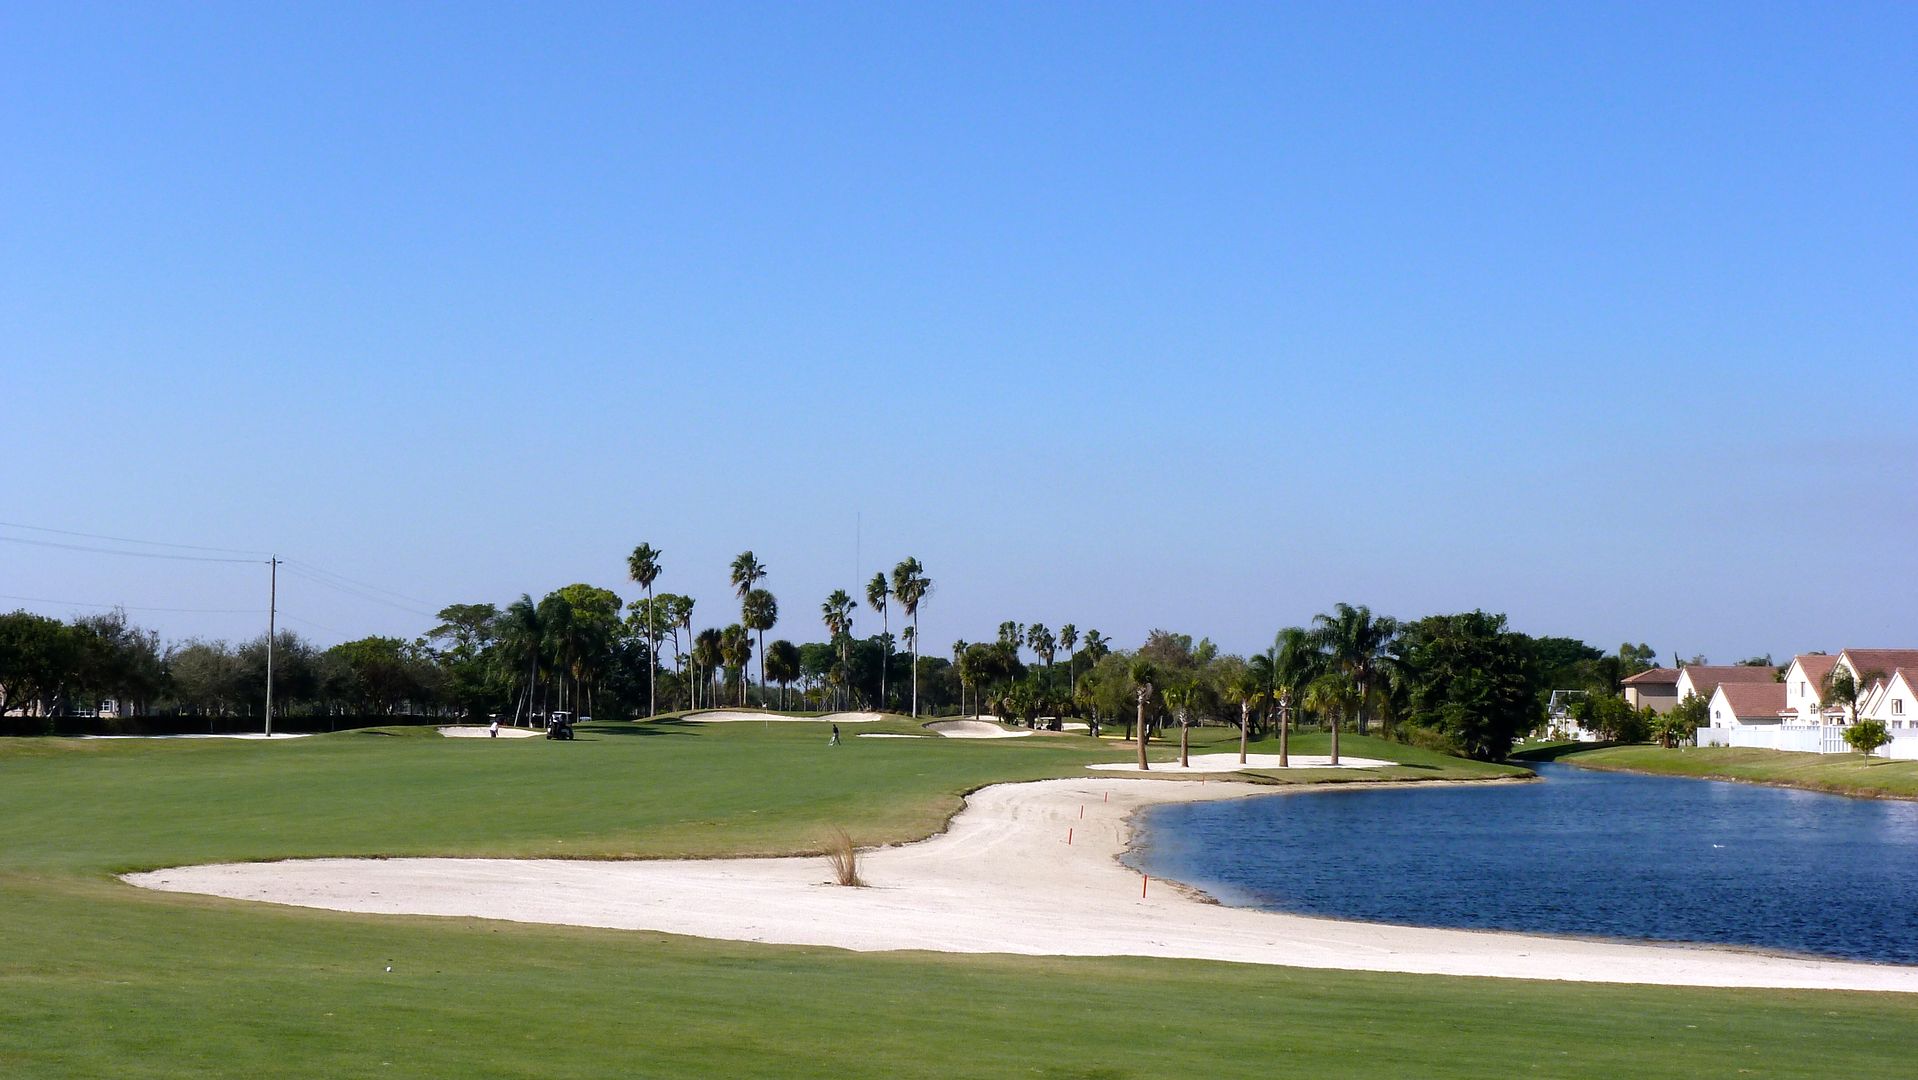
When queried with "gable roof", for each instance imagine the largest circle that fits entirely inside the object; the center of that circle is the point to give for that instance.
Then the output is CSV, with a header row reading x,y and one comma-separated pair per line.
x,y
1753,700
1816,666
1706,678
1658,676
1885,660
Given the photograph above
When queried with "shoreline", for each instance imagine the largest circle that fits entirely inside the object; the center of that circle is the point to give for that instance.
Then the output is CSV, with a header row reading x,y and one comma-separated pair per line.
x,y
1790,785
1018,870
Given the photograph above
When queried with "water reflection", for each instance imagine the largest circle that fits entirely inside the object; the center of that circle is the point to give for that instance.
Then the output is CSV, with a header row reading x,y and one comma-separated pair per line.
x,y
1582,853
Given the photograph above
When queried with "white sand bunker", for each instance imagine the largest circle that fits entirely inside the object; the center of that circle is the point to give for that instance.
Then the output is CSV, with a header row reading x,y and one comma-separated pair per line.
x,y
741,716
973,729
889,735
471,731
1218,763
1007,851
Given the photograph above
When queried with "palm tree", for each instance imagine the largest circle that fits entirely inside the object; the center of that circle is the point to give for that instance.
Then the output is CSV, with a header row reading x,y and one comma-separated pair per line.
x,y
707,656
1296,661
876,596
1249,690
1178,696
643,567
910,584
747,572
836,612
781,663
958,653
683,608
1068,637
1143,675
522,638
736,649
1044,646
1333,695
1359,644
759,611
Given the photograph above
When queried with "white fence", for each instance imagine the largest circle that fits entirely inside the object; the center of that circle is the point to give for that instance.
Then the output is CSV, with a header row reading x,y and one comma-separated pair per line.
x,y
1804,739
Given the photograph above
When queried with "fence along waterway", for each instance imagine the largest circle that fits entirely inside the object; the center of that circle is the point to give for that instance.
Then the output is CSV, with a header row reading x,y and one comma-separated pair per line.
x,y
1583,853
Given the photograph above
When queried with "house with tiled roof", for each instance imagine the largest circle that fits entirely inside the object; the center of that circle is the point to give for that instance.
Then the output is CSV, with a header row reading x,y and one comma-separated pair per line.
x,y
1805,686
1656,689
1703,679
1893,701
1748,704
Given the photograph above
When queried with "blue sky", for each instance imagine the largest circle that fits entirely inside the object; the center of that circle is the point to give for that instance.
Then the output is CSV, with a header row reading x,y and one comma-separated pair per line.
x,y
1203,317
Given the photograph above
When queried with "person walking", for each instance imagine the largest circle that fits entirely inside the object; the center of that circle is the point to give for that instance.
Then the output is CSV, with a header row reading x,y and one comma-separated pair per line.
x,y
493,732
835,736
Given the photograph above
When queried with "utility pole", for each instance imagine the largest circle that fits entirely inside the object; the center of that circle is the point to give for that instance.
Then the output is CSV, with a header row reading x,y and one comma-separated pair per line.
x,y
272,615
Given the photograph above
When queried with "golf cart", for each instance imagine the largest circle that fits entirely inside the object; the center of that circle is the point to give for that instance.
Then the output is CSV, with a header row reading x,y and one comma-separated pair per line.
x,y
559,725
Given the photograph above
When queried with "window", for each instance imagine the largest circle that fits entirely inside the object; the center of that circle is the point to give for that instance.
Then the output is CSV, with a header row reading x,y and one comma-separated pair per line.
x,y
1897,707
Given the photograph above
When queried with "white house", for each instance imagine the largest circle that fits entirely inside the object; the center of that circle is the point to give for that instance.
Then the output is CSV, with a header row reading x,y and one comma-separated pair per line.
x,y
1893,702
1805,684
1748,704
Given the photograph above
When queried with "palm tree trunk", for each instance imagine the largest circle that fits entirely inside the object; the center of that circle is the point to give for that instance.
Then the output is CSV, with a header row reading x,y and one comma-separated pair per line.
x,y
652,656
1335,738
1285,736
915,665
1143,767
1245,727
1185,743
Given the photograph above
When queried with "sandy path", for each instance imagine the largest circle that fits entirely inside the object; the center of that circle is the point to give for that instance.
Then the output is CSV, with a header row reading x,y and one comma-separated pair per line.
x,y
1002,879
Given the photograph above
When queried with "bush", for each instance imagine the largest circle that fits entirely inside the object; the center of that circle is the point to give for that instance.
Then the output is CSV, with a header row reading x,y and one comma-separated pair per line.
x,y
1867,735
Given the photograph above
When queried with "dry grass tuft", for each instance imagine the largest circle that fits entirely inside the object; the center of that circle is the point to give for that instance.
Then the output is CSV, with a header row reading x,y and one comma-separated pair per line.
x,y
843,856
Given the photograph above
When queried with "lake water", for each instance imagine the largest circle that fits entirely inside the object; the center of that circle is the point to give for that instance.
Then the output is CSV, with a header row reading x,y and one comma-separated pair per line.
x,y
1582,852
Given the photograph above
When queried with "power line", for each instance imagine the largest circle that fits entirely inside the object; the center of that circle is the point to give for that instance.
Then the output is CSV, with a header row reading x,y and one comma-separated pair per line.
x,y
129,540
323,572
309,622
356,593
134,607
115,551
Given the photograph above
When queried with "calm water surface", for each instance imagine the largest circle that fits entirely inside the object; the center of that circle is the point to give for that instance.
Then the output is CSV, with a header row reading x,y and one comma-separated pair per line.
x,y
1587,853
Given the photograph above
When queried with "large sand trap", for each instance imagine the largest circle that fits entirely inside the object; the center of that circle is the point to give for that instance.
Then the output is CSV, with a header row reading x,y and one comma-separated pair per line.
x,y
1002,879
740,716
973,729
1218,763
470,731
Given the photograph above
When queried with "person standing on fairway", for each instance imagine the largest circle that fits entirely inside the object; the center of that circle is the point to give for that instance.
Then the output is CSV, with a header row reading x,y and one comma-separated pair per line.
x,y
493,732
835,736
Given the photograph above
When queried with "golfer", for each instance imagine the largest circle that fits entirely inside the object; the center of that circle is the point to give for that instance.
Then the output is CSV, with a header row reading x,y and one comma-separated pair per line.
x,y
835,736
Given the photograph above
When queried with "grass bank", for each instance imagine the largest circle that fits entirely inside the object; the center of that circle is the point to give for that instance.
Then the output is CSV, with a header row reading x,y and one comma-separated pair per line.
x,y
97,978
1842,774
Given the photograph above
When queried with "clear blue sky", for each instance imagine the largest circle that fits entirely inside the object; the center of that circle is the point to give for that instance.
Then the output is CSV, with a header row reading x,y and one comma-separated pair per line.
x,y
1195,316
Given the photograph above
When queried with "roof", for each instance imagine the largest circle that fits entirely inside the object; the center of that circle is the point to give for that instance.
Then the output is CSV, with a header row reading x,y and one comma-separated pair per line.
x,y
1754,700
1706,678
1886,660
1816,665
1658,676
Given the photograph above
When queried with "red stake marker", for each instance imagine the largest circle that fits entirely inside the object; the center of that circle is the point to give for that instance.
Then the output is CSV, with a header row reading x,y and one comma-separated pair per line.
x,y
1142,884
1068,837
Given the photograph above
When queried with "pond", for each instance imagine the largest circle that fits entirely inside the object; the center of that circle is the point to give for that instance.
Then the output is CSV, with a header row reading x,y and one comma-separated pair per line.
x,y
1582,852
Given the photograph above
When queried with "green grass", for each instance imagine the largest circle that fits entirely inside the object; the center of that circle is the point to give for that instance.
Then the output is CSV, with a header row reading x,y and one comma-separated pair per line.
x,y
1847,774
99,979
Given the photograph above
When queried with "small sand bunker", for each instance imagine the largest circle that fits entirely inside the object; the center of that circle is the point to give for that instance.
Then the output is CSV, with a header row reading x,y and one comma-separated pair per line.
x,y
1223,763
973,729
890,735
742,716
472,731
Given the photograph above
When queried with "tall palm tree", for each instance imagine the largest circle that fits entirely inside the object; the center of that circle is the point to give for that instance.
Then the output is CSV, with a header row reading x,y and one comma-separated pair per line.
x,y
683,607
877,593
958,653
747,572
1143,674
1043,644
1296,661
643,567
910,584
1178,696
836,613
1359,644
759,612
1069,637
